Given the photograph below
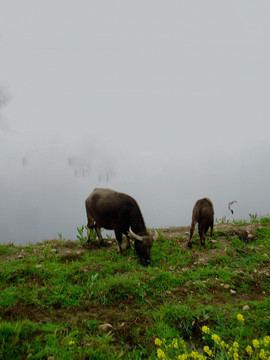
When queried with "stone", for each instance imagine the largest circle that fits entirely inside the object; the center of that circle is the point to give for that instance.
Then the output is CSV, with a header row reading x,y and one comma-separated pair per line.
x,y
106,327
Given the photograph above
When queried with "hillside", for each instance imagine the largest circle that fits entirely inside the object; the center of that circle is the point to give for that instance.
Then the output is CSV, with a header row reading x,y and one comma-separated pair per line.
x,y
60,300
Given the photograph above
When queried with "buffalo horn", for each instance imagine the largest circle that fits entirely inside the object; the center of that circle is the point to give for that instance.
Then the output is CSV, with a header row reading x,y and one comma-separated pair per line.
x,y
155,236
135,236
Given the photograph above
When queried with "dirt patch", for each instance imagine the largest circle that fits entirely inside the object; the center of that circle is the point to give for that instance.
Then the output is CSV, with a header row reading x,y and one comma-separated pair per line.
x,y
126,319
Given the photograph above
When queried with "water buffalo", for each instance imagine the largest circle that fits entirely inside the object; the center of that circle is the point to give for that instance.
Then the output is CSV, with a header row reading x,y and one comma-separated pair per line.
x,y
112,210
203,214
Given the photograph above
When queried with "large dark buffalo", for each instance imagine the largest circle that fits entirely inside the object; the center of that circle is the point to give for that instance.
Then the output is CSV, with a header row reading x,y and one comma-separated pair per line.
x,y
203,214
112,210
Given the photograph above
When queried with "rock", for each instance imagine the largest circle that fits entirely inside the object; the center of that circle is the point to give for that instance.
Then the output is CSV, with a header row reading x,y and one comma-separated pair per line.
x,y
226,286
20,257
38,266
246,307
53,250
232,292
106,327
172,268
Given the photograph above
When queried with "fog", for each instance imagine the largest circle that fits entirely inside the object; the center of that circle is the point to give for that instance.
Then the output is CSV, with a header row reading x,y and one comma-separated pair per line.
x,y
165,101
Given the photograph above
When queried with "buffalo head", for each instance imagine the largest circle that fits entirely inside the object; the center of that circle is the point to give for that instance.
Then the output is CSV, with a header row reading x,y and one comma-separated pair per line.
x,y
143,244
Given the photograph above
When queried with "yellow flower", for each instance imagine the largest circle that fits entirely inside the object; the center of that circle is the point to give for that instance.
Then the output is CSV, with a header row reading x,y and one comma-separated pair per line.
x,y
249,350
208,350
262,354
183,357
183,344
240,318
158,342
206,330
71,343
235,345
196,355
256,343
225,345
266,340
175,343
216,338
161,354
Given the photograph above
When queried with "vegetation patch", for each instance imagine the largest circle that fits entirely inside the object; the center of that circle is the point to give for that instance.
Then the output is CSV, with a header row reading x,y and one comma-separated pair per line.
x,y
61,300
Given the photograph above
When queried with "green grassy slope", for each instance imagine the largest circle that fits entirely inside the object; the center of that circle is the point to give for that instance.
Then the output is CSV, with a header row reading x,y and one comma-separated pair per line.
x,y
57,295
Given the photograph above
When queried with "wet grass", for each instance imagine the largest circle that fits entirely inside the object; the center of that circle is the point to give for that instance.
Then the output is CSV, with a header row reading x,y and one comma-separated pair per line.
x,y
55,295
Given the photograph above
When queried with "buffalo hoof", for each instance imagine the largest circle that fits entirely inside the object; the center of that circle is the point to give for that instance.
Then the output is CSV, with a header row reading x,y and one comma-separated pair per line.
x,y
189,245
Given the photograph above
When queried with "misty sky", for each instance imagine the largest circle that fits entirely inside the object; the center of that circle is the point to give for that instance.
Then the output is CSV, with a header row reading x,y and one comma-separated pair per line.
x,y
168,101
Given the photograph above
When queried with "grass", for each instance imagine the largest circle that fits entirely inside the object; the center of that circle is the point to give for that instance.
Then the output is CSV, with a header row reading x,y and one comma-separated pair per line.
x,y
55,295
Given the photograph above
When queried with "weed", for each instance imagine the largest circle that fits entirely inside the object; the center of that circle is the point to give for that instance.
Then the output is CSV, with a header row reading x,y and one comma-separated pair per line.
x,y
60,236
239,222
253,217
222,220
47,251
90,284
80,235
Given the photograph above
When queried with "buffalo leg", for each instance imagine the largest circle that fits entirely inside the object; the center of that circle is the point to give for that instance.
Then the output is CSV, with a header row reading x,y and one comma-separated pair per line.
x,y
98,231
211,228
202,236
192,227
118,235
90,226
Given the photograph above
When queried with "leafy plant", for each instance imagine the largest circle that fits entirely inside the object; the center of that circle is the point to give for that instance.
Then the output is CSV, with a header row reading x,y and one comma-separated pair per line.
x,y
90,284
80,235
222,220
60,236
253,217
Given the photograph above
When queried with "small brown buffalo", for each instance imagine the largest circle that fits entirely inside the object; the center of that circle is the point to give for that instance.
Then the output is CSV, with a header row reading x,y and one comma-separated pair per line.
x,y
203,214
